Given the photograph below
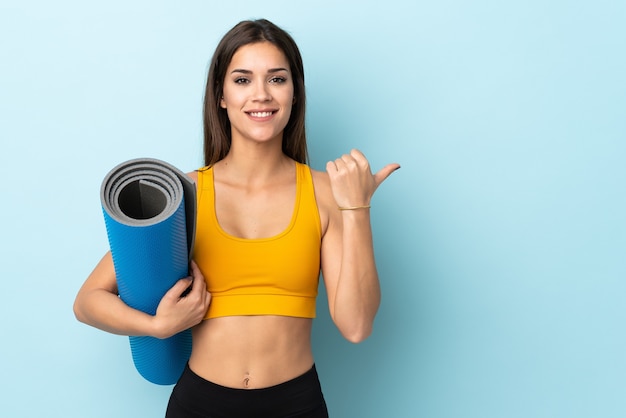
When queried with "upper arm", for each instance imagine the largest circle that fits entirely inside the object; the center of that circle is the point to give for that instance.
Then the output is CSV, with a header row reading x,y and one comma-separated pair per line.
x,y
331,250
102,277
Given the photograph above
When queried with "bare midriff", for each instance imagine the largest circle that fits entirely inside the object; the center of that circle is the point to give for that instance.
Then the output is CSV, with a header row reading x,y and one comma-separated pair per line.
x,y
251,352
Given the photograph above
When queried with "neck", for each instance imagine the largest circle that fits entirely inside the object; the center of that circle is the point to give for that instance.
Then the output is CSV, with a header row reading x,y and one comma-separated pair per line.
x,y
254,162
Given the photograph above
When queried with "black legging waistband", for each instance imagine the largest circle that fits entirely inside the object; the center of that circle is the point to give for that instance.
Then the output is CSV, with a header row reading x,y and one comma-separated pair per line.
x,y
194,396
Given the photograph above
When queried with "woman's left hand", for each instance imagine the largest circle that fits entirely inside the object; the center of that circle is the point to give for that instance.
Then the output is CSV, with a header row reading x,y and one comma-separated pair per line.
x,y
352,181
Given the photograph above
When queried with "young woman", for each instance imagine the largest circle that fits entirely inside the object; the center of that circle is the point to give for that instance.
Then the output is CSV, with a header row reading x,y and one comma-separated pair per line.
x,y
266,225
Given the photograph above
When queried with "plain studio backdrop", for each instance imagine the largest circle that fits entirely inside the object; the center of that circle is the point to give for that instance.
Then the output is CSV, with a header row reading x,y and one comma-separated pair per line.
x,y
500,242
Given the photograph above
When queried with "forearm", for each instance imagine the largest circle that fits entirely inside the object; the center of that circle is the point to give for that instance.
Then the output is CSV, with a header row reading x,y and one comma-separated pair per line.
x,y
358,290
106,311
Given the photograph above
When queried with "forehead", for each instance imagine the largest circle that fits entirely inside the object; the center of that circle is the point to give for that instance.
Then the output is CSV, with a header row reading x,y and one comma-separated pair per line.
x,y
258,56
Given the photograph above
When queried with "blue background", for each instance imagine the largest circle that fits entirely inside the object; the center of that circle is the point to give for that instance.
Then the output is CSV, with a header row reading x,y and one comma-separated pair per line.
x,y
500,242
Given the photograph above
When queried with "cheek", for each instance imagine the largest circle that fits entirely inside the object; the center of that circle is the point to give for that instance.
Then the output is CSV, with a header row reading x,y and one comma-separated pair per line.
x,y
232,115
229,97
289,100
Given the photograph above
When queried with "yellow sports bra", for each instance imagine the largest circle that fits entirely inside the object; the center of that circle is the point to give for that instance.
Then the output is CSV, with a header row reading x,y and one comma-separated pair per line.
x,y
278,275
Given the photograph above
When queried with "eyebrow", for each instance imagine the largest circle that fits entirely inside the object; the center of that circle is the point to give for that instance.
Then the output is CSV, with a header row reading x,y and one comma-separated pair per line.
x,y
271,70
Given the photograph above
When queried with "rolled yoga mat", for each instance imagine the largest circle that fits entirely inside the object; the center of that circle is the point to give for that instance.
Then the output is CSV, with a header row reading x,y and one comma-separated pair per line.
x,y
150,211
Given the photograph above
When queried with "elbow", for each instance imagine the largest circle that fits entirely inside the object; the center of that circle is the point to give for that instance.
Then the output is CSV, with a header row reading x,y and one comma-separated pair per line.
x,y
355,328
357,334
356,338
77,313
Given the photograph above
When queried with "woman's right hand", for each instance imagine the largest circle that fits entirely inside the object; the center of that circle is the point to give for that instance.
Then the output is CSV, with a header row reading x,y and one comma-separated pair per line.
x,y
176,312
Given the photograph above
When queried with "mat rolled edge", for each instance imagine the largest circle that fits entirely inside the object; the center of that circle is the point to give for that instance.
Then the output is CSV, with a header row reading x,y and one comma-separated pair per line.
x,y
140,169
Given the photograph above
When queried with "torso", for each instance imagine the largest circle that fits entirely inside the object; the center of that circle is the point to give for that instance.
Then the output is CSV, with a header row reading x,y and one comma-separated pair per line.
x,y
254,351
251,351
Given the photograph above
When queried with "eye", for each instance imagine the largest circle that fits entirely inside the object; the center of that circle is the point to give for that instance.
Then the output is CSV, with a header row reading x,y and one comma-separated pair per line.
x,y
278,80
241,80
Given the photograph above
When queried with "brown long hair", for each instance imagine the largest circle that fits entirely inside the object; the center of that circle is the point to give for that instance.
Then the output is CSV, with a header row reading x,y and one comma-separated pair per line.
x,y
217,132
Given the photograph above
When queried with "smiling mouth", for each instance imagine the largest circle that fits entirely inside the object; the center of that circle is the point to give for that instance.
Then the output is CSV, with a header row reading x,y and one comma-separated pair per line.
x,y
261,114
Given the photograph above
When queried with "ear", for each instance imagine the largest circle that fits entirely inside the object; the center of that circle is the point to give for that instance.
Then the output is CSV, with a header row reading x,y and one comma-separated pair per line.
x,y
222,103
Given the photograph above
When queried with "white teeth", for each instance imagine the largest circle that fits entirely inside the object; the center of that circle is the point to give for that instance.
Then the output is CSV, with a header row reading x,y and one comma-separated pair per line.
x,y
260,114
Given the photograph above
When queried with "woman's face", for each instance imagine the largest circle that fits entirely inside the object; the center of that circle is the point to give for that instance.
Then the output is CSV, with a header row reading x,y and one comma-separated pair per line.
x,y
258,93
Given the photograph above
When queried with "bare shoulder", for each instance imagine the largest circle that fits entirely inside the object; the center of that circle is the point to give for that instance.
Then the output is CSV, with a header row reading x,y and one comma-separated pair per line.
x,y
193,175
325,199
319,176
321,183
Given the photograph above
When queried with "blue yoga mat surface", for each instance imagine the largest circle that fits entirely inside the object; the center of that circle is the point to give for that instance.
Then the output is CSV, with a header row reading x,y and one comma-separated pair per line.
x,y
149,210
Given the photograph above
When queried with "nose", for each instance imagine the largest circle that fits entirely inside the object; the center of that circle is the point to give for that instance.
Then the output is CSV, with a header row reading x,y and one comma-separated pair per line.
x,y
261,92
